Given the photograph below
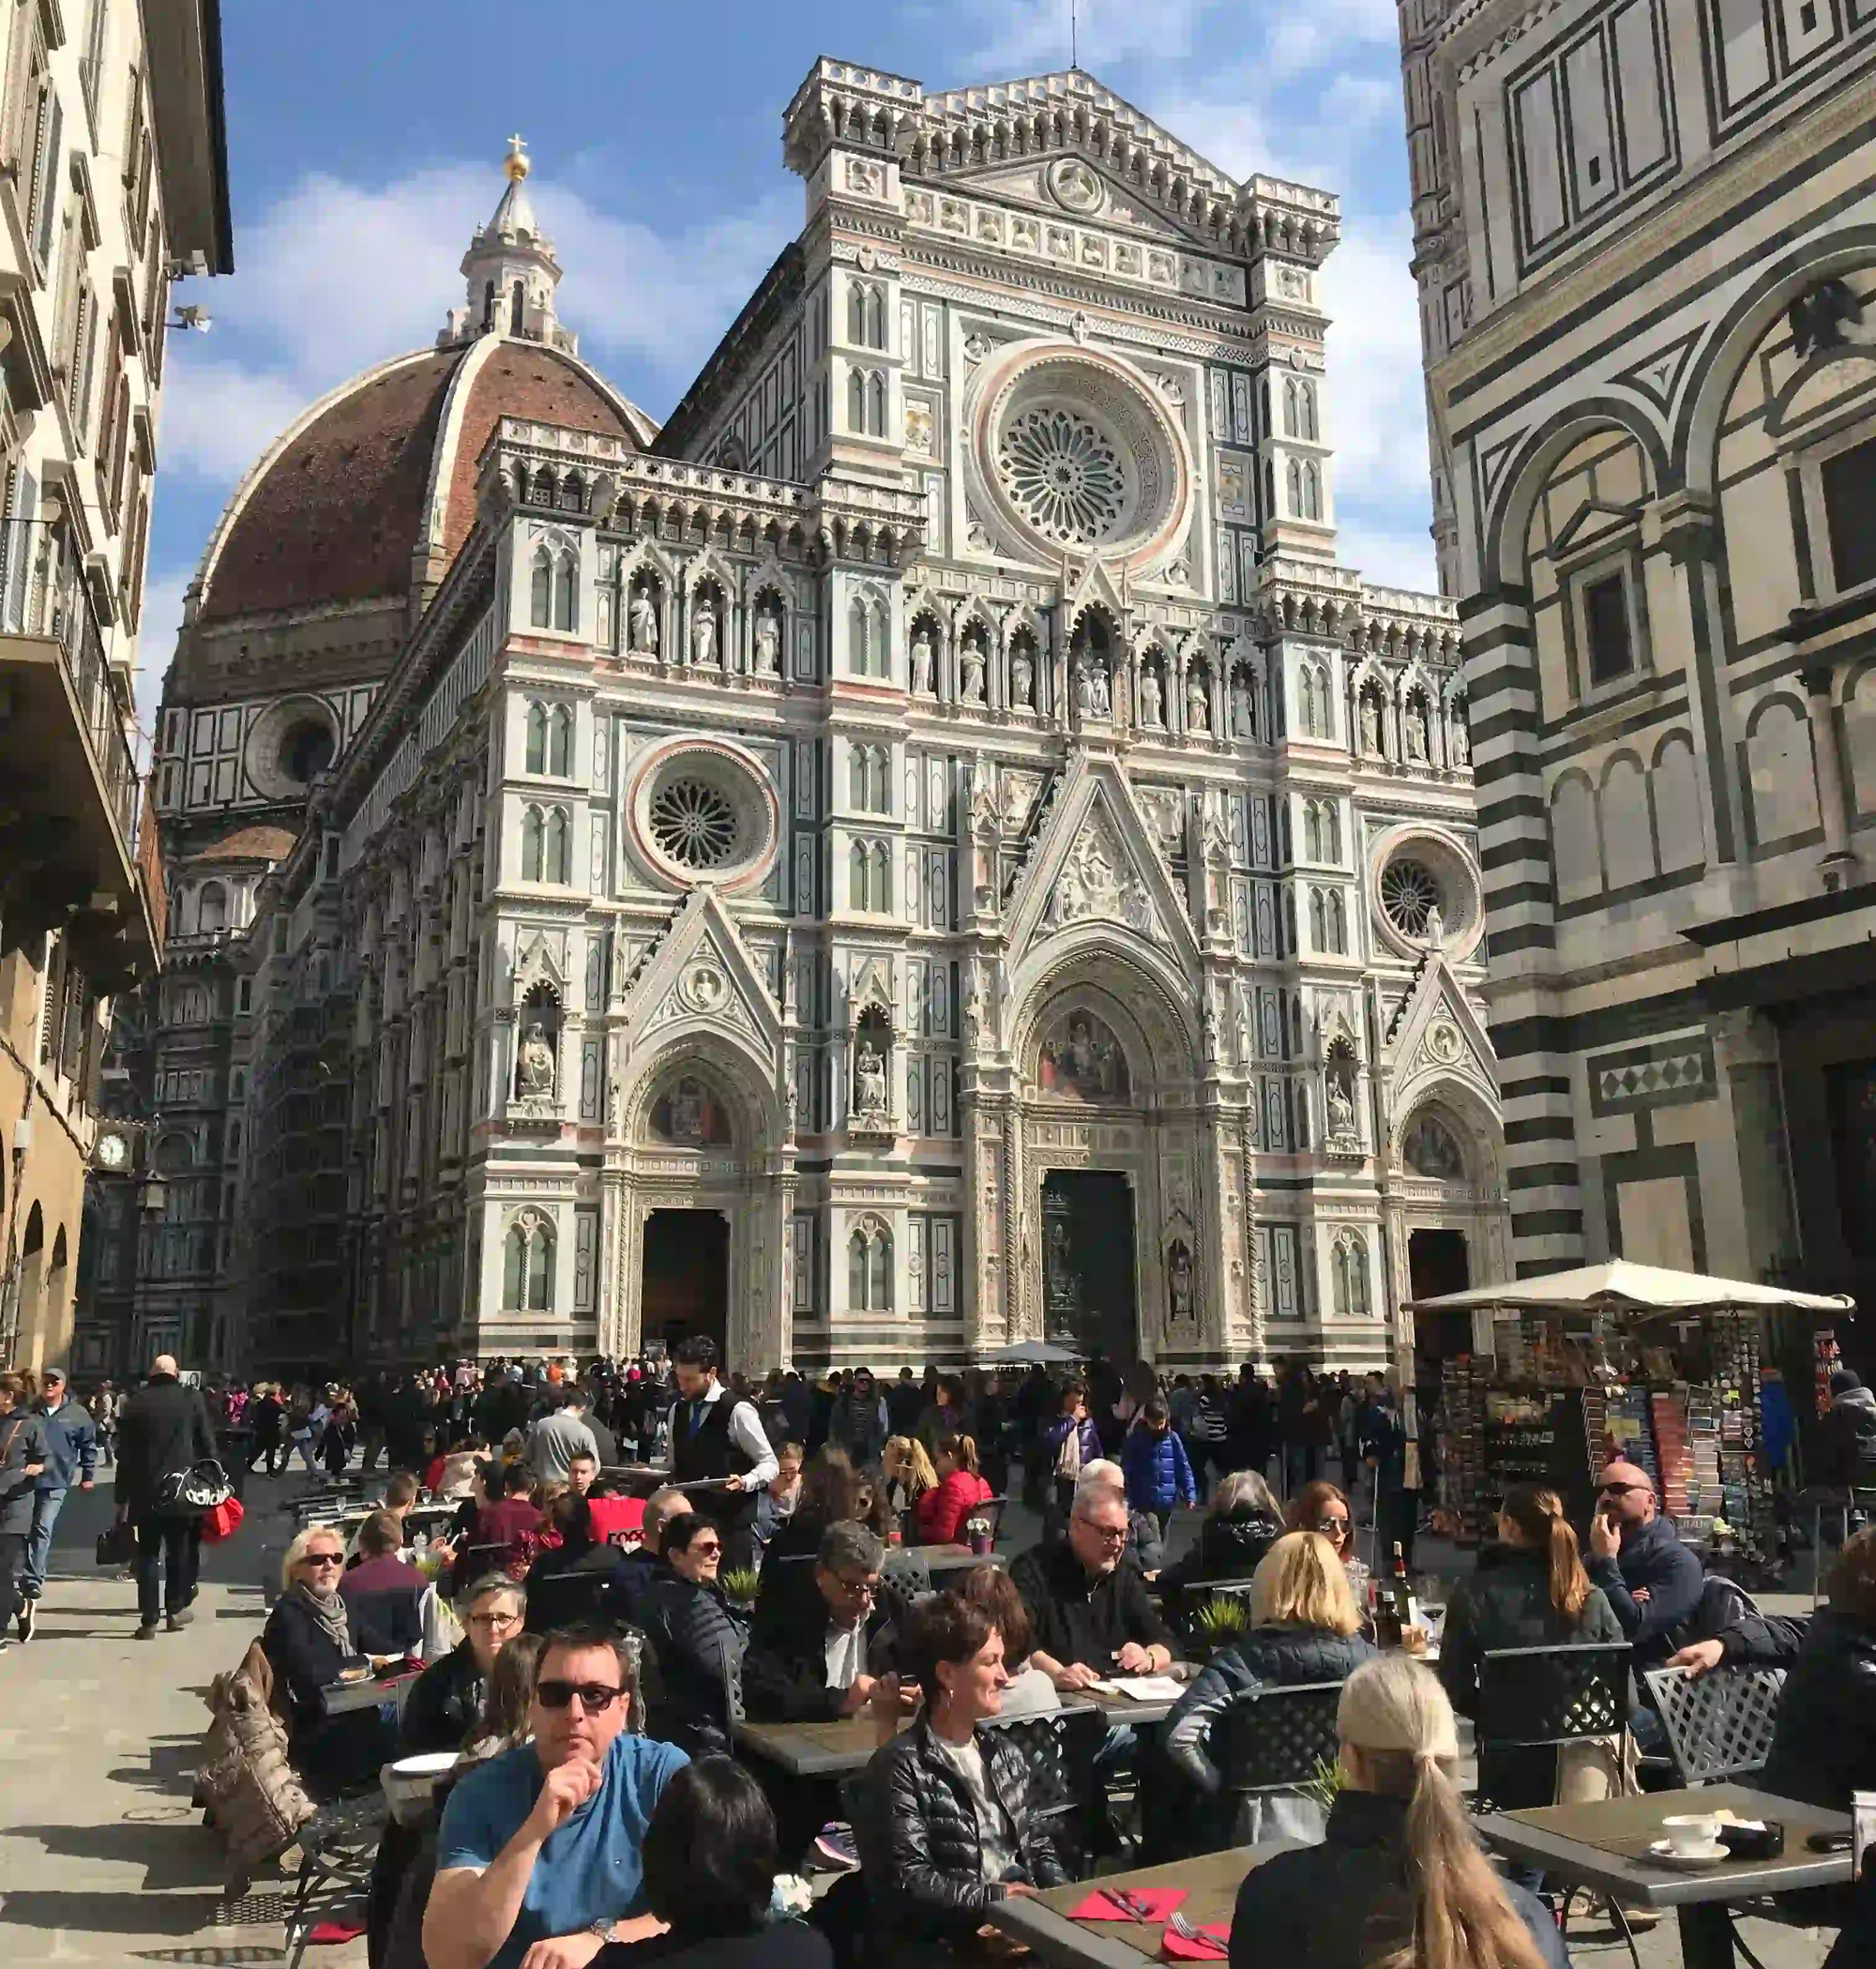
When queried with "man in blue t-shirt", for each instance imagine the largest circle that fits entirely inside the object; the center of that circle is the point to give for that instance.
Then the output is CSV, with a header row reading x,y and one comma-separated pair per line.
x,y
545,1843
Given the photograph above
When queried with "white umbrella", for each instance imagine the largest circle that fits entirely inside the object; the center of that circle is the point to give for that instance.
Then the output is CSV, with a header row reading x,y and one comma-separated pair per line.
x,y
1031,1353
1618,1286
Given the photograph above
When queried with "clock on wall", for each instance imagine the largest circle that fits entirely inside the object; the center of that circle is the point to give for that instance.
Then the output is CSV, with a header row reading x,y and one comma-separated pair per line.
x,y
112,1150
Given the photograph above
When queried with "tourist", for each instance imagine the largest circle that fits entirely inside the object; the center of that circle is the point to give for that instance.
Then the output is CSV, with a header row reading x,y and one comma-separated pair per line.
x,y
384,1593
953,1811
1652,1580
1823,1739
1030,1692
23,1462
1241,1525
910,1475
340,1429
604,1440
1158,1476
163,1431
775,1505
546,1841
633,1577
310,1641
1844,1452
944,1414
1323,1508
719,1449
1400,1877
693,1638
1305,1627
557,1438
858,1423
512,1517
1209,1433
266,1414
904,1404
1068,1443
710,1861
810,1660
1089,1605
71,1458
582,1470
571,1519
941,1514
446,1700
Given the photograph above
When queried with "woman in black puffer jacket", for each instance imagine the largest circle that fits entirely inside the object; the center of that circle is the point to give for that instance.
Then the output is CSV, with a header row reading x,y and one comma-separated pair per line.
x,y
1305,1627
953,1826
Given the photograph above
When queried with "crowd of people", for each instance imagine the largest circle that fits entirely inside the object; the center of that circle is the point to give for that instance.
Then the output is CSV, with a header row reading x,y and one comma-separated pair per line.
x,y
587,1651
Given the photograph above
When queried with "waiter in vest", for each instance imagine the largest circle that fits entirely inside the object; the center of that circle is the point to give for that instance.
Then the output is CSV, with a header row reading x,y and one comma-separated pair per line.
x,y
715,1436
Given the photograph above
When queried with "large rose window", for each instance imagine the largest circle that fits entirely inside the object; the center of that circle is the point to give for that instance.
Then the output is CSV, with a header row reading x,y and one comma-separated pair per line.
x,y
693,823
1063,475
704,810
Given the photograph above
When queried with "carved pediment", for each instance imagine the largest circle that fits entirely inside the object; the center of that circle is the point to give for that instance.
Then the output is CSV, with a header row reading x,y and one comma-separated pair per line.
x,y
1436,1032
1072,189
703,972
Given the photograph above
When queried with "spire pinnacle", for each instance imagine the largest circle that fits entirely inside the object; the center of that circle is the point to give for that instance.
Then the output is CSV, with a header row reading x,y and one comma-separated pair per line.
x,y
511,268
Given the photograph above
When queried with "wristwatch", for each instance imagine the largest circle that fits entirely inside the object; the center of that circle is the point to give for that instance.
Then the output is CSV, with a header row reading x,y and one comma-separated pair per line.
x,y
602,1927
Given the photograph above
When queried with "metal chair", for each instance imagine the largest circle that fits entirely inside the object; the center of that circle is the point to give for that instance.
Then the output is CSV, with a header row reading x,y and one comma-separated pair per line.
x,y
1529,1697
992,1508
1060,1748
337,1847
562,1598
1275,1737
1718,1726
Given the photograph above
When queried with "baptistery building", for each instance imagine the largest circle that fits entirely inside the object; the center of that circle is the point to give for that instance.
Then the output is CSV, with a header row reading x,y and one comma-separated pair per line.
x,y
926,848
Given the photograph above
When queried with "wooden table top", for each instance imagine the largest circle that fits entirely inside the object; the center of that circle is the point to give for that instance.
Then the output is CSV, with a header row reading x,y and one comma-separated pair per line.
x,y
1210,1881
1606,1845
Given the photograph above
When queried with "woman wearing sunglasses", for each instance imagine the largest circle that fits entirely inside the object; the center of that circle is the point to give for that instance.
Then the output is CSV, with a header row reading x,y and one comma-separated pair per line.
x,y
310,1641
693,1636
1321,1507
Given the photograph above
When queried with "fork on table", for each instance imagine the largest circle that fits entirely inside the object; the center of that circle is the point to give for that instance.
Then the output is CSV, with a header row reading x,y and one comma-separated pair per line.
x,y
1198,1938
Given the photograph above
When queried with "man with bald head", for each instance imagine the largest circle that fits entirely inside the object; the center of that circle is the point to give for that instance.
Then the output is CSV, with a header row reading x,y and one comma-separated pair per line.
x,y
163,1429
627,1587
1636,1556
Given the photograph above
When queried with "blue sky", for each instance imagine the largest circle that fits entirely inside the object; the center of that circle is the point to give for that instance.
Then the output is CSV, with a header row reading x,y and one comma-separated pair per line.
x,y
365,144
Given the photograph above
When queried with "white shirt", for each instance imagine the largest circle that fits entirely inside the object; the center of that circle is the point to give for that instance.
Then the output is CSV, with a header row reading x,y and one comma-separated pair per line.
x,y
846,1655
995,1838
745,1433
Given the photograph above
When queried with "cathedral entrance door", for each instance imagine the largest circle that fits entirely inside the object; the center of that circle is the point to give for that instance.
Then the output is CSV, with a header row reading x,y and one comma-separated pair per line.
x,y
1088,1294
1437,1263
687,1278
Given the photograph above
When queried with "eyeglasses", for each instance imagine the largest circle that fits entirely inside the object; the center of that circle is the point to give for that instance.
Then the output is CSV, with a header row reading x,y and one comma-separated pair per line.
x,y
700,1550
859,1589
324,1558
495,1623
1333,1527
1623,1489
1107,1534
596,1698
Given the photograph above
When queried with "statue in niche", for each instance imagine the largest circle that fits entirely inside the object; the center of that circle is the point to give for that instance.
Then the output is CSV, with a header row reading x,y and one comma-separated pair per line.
x,y
869,1081
1083,1061
642,624
1416,733
1198,709
1342,1105
1179,1280
1370,726
921,664
971,664
1461,738
1100,704
1241,709
1436,928
1021,677
703,635
1151,710
768,643
536,1064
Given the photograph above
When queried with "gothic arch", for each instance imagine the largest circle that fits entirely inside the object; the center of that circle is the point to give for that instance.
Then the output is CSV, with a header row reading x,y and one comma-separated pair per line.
x,y
744,1079
1149,995
1466,1114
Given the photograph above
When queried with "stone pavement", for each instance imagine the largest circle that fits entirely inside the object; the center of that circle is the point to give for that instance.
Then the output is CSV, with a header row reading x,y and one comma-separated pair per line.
x,y
104,1861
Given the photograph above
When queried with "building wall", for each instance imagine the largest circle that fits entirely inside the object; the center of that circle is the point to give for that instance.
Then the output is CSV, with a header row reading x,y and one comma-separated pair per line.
x,y
1642,242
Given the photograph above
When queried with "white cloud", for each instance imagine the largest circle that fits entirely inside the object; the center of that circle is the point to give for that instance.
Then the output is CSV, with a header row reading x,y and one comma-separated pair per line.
x,y
1377,417
155,644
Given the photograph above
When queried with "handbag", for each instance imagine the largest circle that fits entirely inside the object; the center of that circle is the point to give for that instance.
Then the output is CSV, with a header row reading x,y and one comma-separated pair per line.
x,y
191,1493
117,1543
223,1522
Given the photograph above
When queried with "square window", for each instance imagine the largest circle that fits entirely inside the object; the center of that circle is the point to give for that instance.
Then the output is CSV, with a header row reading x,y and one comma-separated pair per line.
x,y
1606,630
1849,483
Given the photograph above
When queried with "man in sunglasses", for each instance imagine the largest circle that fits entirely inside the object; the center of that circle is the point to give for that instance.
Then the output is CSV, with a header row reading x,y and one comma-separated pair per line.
x,y
541,1855
1636,1556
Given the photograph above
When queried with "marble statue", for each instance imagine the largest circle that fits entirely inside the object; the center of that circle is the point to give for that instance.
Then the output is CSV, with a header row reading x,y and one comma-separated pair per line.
x,y
971,660
1461,738
1416,735
1179,1282
768,644
1084,697
1198,712
1099,703
1241,708
1150,711
641,620
703,637
921,665
1342,1107
1370,726
538,1066
1436,928
869,1081
1021,678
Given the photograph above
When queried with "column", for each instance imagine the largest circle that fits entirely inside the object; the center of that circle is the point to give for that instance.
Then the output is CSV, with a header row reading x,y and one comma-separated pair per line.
x,y
1839,862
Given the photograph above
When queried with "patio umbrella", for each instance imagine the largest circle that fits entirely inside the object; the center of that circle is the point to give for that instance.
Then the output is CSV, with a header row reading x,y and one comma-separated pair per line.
x,y
1032,1353
1618,1286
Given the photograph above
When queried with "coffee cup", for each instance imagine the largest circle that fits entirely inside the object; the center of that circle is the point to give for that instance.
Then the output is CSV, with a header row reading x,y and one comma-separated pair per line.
x,y
1691,1832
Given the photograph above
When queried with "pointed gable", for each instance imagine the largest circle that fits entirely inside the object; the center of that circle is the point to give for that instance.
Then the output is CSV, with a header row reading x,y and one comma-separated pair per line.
x,y
1436,1034
702,974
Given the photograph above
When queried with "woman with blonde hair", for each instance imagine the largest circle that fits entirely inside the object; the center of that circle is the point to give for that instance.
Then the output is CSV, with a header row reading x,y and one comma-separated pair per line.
x,y
909,1473
941,1514
1304,1627
1398,1881
1530,1591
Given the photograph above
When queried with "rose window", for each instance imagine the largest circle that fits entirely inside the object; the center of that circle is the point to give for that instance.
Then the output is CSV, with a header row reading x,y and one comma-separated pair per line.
x,y
1063,475
693,823
1410,893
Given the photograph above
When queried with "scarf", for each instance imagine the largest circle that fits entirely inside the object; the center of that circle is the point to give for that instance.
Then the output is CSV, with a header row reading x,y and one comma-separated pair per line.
x,y
329,1610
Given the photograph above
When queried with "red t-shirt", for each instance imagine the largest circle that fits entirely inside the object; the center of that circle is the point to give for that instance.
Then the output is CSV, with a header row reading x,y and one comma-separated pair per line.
x,y
615,1514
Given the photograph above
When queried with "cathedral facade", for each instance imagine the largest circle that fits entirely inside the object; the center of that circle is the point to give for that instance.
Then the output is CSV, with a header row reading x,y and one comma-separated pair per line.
x,y
926,849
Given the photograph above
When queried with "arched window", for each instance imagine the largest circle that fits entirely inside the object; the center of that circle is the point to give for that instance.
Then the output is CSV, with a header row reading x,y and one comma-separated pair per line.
x,y
487,306
536,737
1332,833
869,1271
541,591
856,401
881,885
567,595
533,833
514,1271
877,639
211,911
860,867
1337,923
879,1298
558,858
1291,422
859,630
527,1268
877,769
1351,1276
1317,920
857,313
560,741
1311,833
876,318
573,494
876,404
1313,492
518,308
1325,719
1293,475
856,1272
858,788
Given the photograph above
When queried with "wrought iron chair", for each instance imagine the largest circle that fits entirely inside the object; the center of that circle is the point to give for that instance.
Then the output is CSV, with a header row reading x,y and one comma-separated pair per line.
x,y
1718,1725
1275,1737
337,1847
1060,1748
564,1596
992,1508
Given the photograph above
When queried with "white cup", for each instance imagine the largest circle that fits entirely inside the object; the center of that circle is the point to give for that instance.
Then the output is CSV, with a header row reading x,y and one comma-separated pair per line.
x,y
1691,1833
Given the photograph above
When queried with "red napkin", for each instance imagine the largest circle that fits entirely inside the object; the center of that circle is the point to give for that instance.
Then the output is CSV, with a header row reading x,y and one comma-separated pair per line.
x,y
1160,1904
323,1931
1177,1949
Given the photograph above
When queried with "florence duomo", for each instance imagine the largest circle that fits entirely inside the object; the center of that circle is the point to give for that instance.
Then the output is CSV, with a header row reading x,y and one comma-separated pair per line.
x,y
926,847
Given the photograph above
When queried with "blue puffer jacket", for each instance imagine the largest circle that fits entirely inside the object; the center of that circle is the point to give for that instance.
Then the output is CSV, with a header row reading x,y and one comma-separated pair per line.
x,y
1158,1473
72,1447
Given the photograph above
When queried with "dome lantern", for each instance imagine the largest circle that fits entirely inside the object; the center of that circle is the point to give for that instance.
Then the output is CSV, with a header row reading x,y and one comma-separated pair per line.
x,y
510,270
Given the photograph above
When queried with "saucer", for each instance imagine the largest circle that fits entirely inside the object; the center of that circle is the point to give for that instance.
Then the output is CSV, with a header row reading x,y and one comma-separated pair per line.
x,y
1701,1856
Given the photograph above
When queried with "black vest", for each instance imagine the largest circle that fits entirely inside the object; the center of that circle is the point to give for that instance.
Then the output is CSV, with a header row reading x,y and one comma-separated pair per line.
x,y
710,1451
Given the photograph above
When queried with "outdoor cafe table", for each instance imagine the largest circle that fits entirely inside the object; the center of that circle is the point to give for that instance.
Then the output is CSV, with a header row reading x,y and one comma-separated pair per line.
x,y
1605,1846
1210,1883
343,1698
940,1559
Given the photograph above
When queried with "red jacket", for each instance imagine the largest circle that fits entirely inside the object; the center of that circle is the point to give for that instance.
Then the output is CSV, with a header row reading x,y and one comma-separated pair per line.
x,y
940,1513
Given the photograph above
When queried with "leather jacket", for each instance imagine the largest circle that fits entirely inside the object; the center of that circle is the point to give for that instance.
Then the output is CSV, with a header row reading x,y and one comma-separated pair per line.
x,y
1823,1739
929,1879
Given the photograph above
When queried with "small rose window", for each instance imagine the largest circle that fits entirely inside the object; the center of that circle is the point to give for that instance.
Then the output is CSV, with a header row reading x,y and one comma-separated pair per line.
x,y
694,823
1410,893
